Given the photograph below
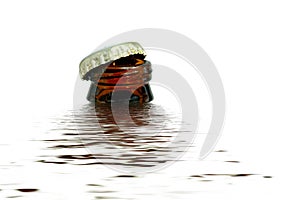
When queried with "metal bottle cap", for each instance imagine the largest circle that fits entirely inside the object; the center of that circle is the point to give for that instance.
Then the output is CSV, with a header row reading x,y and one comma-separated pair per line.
x,y
108,55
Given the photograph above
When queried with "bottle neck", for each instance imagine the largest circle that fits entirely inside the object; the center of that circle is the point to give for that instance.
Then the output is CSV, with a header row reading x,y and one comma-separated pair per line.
x,y
124,77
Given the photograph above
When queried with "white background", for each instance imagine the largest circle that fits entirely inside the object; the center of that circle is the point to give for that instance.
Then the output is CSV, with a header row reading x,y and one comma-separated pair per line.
x,y
254,44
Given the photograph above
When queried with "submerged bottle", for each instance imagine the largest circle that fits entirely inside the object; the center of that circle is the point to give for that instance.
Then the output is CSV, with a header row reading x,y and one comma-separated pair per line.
x,y
118,73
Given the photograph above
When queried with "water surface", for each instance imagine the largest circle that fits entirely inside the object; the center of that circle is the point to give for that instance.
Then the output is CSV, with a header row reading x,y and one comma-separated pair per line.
x,y
88,153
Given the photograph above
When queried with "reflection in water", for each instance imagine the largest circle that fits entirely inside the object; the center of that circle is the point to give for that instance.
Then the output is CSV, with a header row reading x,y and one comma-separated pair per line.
x,y
27,190
138,139
87,138
130,139
124,139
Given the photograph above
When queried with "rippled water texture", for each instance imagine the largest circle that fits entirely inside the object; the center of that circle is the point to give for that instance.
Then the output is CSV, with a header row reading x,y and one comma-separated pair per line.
x,y
100,153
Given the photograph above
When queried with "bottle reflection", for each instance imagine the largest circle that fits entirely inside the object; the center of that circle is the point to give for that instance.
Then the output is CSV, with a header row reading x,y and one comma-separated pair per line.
x,y
137,126
133,138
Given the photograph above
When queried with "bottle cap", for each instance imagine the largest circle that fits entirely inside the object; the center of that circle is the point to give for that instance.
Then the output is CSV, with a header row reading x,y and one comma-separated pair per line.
x,y
108,55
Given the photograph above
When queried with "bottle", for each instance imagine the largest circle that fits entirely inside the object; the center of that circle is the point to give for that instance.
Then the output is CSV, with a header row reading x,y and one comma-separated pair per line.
x,y
118,73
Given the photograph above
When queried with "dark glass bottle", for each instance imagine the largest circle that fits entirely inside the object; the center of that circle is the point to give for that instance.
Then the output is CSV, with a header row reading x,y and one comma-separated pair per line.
x,y
123,79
